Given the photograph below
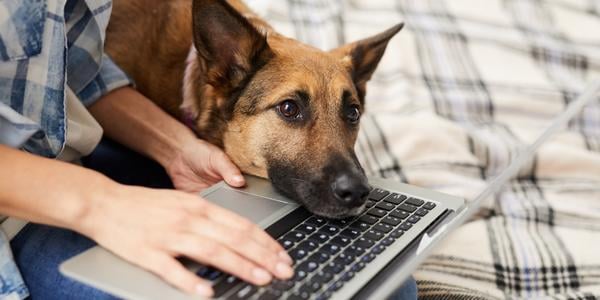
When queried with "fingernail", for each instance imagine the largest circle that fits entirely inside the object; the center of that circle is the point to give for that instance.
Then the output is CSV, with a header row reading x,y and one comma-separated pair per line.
x,y
204,290
285,257
238,179
261,275
284,271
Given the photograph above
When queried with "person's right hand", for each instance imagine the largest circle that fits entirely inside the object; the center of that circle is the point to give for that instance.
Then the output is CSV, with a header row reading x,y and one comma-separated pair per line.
x,y
151,228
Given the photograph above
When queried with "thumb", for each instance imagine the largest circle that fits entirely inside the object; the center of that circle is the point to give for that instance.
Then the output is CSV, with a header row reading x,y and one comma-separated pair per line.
x,y
223,166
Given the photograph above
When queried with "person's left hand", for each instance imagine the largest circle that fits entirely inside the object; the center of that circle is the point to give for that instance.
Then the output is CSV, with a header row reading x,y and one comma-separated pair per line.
x,y
199,165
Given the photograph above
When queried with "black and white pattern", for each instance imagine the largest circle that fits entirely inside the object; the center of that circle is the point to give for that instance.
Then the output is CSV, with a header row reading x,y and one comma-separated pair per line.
x,y
460,91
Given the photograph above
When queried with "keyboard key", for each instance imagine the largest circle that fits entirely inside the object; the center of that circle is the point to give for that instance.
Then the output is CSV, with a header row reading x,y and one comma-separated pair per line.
x,y
336,285
364,243
298,253
209,273
414,201
391,220
333,268
373,235
245,292
370,203
310,287
308,245
306,228
316,221
341,240
400,214
282,285
350,232
322,278
331,248
397,233
320,257
378,248
357,266
344,258
330,230
319,237
377,212
341,223
308,266
383,227
294,236
388,241
354,250
286,244
421,212
298,296
360,225
407,207
395,198
413,219
429,205
385,206
378,194
225,285
405,226
367,258
299,275
347,276
270,295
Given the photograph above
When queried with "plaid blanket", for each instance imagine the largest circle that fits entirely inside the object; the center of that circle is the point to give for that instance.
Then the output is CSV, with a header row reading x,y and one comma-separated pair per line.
x,y
461,90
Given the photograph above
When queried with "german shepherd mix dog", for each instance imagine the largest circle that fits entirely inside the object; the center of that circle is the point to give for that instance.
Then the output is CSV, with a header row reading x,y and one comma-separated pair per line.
x,y
279,108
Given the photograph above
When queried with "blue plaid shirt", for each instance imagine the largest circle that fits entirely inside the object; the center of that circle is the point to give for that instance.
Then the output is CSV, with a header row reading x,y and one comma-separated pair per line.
x,y
45,47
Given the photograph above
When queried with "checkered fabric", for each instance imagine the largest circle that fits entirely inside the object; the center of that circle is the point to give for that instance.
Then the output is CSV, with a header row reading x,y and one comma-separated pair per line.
x,y
460,91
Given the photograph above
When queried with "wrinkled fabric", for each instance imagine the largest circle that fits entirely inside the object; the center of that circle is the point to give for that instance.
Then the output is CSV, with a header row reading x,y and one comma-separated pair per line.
x,y
459,92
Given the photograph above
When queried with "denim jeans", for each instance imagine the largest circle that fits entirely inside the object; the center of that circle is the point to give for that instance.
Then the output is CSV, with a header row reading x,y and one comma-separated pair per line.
x,y
39,249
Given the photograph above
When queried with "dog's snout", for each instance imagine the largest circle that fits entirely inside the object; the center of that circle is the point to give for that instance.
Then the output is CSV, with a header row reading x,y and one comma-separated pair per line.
x,y
350,191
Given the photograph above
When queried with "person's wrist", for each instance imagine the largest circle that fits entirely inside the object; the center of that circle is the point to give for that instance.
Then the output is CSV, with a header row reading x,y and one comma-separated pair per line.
x,y
93,200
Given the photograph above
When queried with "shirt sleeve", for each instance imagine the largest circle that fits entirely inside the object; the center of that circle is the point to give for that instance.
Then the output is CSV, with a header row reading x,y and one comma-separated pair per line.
x,y
109,77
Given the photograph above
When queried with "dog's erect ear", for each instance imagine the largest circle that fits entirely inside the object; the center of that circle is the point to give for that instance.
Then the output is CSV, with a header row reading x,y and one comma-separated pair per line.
x,y
364,55
232,48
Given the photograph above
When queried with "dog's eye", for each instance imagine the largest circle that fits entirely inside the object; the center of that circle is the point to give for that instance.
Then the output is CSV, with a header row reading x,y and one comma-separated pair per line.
x,y
289,109
353,115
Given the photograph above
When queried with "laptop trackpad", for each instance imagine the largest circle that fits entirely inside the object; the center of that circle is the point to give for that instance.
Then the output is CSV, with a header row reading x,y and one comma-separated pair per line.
x,y
260,210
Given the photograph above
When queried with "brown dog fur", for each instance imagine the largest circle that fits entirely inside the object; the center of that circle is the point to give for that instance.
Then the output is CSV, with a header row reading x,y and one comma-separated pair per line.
x,y
233,80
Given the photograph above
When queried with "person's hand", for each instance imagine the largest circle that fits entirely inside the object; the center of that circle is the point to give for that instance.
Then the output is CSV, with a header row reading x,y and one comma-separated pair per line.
x,y
151,228
199,165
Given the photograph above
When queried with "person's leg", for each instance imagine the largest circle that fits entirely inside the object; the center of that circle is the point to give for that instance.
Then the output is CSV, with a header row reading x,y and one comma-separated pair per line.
x,y
408,291
39,249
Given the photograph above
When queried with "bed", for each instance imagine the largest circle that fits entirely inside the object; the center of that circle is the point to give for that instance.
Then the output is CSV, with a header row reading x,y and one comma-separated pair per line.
x,y
460,91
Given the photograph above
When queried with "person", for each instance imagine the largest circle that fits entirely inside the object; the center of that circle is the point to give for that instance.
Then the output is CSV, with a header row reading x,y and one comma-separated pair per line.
x,y
59,94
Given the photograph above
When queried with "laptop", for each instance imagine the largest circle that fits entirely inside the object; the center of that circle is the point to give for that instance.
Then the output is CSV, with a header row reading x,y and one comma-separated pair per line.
x,y
365,257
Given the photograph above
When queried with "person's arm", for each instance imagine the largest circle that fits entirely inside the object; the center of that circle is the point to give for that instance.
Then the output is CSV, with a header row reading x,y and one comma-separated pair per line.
x,y
134,121
147,227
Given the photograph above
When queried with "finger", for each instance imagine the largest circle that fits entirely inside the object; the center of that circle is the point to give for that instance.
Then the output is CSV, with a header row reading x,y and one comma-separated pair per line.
x,y
214,254
244,245
223,166
236,222
173,272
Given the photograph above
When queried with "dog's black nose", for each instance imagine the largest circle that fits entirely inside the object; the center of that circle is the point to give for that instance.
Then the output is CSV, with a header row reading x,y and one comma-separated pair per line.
x,y
350,191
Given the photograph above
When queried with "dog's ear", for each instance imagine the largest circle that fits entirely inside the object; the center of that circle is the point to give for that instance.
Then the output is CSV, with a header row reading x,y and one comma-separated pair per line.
x,y
232,47
363,56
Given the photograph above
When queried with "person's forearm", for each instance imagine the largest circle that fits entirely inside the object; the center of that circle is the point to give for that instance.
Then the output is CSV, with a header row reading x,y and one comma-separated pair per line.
x,y
134,121
47,191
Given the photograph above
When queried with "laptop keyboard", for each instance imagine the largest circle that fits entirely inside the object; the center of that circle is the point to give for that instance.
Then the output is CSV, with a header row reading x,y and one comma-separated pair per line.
x,y
328,253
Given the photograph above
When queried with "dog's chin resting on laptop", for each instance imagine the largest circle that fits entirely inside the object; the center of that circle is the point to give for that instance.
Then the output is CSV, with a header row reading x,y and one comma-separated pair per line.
x,y
279,108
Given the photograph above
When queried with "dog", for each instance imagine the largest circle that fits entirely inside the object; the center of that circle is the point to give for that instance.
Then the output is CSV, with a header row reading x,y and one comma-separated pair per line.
x,y
280,109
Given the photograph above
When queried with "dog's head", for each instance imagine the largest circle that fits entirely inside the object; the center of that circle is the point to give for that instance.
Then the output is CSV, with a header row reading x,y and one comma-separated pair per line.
x,y
288,111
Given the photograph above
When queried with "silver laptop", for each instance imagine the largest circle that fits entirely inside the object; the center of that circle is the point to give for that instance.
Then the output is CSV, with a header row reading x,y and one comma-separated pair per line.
x,y
368,256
